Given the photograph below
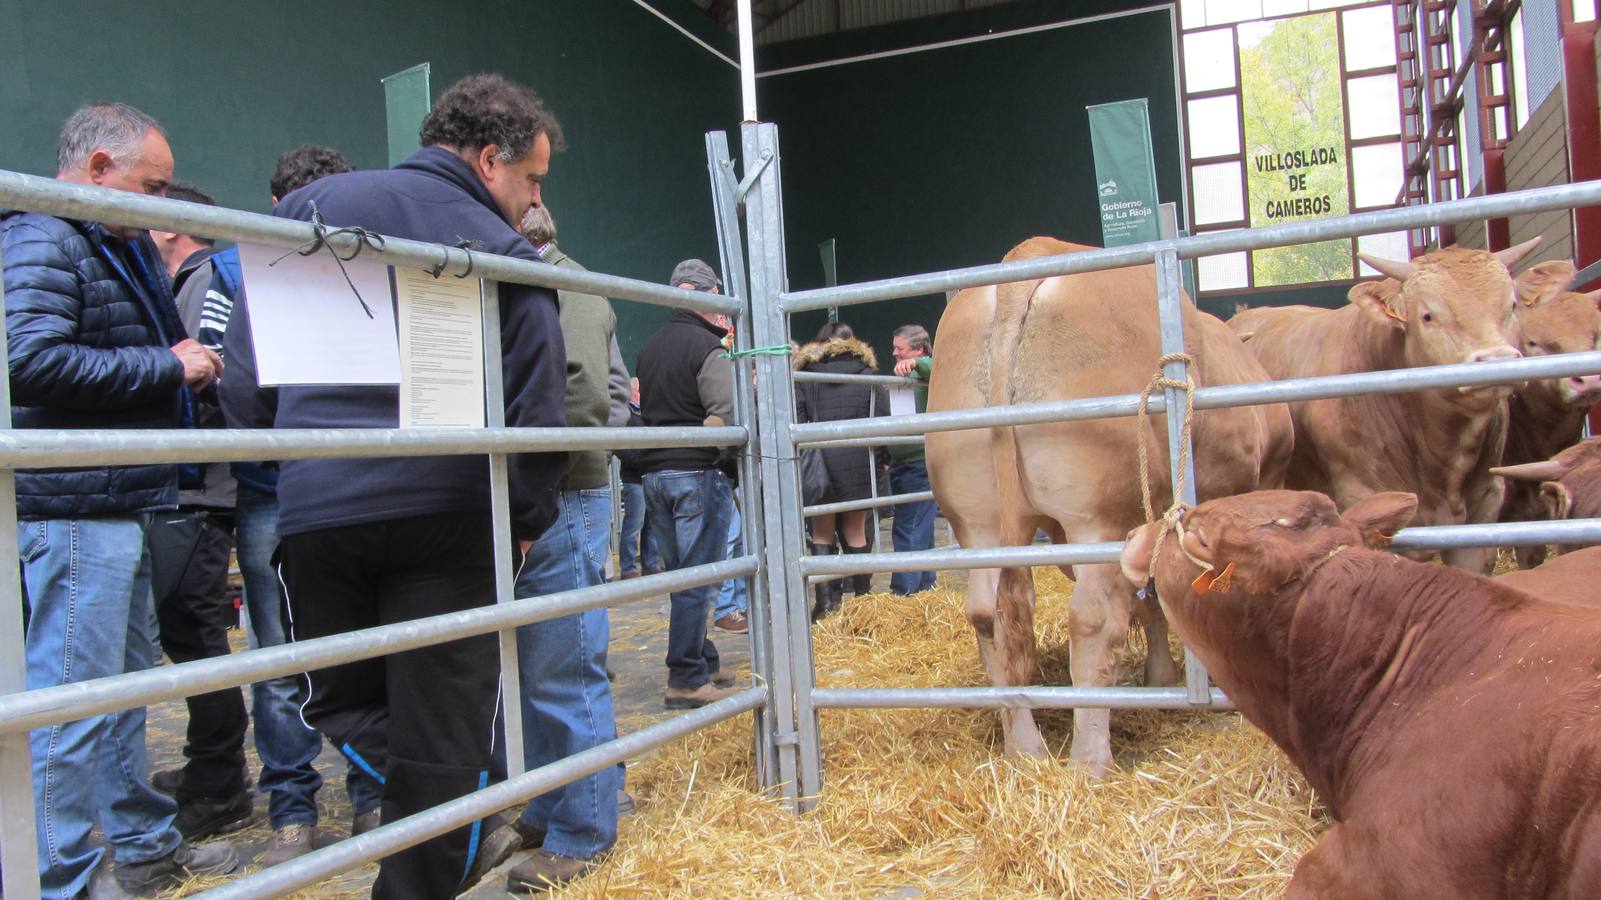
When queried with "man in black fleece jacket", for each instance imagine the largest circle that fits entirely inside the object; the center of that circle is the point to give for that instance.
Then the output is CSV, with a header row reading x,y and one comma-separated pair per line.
x,y
371,541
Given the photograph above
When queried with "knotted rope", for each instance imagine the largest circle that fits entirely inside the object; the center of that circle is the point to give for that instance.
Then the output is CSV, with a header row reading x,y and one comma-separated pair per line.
x,y
320,233
1160,381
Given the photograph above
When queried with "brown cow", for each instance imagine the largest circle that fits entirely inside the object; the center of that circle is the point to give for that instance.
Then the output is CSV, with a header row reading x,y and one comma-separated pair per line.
x,y
1545,417
1450,724
1569,483
1569,578
1451,306
1081,335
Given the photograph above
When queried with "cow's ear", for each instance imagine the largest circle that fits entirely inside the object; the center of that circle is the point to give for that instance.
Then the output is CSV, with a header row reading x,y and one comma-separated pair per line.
x,y
1544,282
1380,516
1558,502
1136,557
1381,300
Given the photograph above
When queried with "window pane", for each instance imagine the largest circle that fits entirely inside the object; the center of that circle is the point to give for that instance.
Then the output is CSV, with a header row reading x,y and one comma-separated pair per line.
x,y
1375,107
1220,273
1334,4
1209,60
1222,12
1583,10
1377,173
1391,246
1520,70
1271,8
1369,38
1214,126
1192,13
1219,193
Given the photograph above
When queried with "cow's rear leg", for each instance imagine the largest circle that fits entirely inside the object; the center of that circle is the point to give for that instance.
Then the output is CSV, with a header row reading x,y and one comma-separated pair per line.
x,y
1098,623
1000,606
1160,670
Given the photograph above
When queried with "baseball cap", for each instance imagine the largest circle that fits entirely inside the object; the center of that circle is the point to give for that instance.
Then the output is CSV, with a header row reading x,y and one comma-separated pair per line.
x,y
696,273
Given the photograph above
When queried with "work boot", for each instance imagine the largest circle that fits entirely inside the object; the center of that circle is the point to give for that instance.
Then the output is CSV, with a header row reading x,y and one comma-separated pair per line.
x,y
830,594
861,583
501,839
361,823
186,862
168,781
289,842
694,698
723,679
201,817
544,871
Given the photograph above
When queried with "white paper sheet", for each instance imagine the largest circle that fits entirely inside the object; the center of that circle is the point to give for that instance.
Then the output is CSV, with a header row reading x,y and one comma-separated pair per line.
x,y
902,401
309,327
441,350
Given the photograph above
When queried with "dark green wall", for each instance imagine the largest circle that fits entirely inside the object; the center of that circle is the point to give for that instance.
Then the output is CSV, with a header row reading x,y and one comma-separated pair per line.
x,y
235,85
949,157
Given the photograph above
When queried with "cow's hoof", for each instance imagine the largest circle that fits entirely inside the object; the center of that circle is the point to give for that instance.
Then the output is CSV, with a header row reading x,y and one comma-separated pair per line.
x,y
1097,761
1034,748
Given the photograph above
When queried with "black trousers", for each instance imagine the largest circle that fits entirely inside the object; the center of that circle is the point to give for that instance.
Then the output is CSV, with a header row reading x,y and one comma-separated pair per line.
x,y
420,721
189,577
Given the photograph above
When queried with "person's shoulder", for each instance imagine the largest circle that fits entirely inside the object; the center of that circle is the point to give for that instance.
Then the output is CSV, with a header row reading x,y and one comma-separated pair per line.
x,y
40,226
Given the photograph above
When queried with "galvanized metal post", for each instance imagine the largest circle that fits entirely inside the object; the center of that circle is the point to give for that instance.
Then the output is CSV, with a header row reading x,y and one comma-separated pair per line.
x,y
19,846
799,754
614,484
500,513
1180,449
725,207
872,471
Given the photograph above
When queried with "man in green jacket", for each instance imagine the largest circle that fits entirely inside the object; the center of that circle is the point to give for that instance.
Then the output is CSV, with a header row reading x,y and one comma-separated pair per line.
x,y
908,473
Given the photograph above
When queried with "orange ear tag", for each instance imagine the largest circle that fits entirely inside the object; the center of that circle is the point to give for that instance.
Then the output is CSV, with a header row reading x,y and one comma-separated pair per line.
x,y
1393,314
1218,583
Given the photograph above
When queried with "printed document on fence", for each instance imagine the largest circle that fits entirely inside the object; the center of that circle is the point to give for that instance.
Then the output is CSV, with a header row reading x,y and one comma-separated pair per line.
x,y
310,327
441,350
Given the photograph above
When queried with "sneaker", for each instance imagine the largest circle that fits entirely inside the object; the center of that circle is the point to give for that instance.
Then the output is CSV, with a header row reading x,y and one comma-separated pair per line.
x,y
686,698
186,862
500,840
361,823
203,817
733,623
723,679
543,872
289,842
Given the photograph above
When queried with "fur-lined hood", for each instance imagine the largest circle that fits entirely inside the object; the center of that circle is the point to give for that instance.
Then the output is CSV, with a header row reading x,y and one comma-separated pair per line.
x,y
821,352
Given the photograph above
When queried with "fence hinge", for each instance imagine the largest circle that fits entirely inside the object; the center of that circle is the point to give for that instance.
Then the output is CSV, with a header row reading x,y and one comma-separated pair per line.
x,y
786,739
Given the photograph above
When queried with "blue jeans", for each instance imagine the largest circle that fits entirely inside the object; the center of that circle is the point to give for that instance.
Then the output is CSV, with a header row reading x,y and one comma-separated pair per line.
x,y
914,524
566,696
733,595
689,512
286,745
87,588
628,554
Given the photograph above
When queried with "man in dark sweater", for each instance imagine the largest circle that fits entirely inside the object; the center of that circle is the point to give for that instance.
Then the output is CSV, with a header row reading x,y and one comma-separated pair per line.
x,y
686,378
365,542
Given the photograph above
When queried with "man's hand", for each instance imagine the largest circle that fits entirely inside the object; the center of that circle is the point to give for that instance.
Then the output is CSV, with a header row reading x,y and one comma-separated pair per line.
x,y
200,366
906,367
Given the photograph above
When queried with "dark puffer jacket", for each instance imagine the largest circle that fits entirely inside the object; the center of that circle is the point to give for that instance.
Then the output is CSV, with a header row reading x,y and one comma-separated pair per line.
x,y
89,320
848,467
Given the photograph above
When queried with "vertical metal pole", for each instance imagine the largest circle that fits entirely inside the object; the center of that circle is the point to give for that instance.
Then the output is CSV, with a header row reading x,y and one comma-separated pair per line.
x,y
747,63
1170,310
500,512
19,847
799,751
732,252
872,468
614,483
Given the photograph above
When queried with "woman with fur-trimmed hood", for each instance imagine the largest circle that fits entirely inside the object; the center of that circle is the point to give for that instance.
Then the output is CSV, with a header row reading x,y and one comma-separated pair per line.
x,y
837,352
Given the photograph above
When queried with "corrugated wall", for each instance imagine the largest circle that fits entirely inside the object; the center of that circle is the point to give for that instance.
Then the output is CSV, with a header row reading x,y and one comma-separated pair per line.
x,y
817,17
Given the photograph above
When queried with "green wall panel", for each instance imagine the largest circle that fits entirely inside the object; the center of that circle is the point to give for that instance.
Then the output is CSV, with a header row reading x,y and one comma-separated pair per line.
x,y
237,85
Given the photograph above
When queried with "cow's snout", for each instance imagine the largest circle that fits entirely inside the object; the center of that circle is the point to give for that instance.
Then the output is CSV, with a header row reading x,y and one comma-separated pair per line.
x,y
1583,388
1491,354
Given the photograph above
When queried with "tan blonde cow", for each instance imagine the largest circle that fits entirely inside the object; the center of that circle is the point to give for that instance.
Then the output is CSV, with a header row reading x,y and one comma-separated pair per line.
x,y
1082,335
1450,306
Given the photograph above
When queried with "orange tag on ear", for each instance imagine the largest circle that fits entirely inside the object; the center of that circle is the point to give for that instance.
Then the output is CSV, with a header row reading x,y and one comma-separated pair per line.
x,y
1392,313
1216,583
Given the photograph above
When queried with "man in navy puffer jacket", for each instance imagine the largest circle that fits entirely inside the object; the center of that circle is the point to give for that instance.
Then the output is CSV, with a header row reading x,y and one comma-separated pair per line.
x,y
95,342
369,541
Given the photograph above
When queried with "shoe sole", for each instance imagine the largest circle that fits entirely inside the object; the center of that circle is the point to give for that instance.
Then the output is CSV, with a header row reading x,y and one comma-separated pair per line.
x,y
178,876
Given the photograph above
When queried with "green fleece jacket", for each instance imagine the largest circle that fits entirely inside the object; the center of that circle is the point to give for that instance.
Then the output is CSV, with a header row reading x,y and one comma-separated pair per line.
x,y
587,325
914,452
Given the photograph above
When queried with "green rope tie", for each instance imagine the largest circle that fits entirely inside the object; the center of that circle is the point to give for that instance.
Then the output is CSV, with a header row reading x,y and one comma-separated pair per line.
x,y
775,350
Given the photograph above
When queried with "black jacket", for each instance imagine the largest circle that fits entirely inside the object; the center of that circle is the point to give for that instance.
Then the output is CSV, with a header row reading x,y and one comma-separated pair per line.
x,y
849,468
89,320
670,369
432,196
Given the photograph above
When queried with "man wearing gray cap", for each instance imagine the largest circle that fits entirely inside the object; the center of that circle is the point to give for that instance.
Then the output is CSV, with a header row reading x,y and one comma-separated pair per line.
x,y
685,378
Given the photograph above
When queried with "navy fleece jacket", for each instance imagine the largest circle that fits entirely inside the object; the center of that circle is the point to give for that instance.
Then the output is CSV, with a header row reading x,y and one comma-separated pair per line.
x,y
432,196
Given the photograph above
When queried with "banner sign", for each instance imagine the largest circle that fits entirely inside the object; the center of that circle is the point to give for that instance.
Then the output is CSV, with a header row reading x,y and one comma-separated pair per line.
x,y
1125,172
406,103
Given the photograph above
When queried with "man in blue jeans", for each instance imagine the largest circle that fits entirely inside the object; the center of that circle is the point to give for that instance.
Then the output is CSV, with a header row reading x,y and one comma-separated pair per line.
x,y
732,611
686,378
908,472
95,342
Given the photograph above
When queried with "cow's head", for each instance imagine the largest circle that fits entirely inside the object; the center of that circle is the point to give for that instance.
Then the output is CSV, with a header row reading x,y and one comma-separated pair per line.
x,y
1242,548
1556,320
1452,306
1570,482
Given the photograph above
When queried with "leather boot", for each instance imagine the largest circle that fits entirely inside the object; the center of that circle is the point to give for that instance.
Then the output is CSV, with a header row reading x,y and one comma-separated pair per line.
x,y
861,583
828,593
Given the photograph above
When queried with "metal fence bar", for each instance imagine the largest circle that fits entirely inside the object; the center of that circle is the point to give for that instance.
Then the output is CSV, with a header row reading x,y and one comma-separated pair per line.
x,y
281,880
65,703
846,378
1293,390
1431,537
1494,206
500,516
870,503
1039,697
894,440
96,204
38,448
19,847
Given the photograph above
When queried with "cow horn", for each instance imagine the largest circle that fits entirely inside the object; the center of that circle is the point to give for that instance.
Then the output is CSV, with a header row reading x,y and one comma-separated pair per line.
x,y
1510,256
1400,271
1545,470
